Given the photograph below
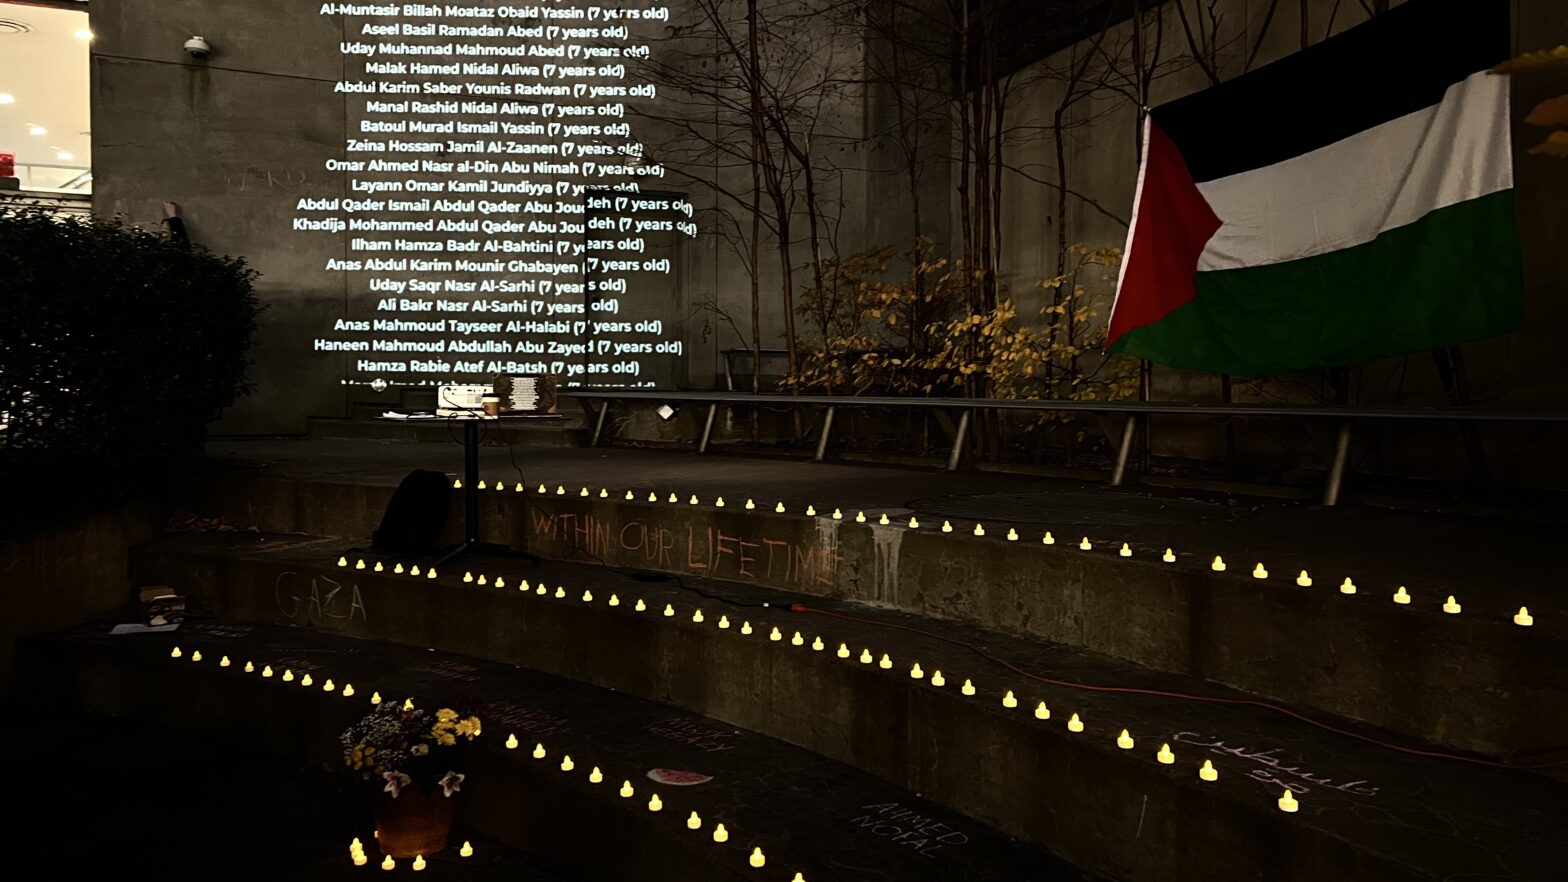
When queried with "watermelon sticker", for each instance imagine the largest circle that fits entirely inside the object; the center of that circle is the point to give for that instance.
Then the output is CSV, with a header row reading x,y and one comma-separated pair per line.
x,y
678,778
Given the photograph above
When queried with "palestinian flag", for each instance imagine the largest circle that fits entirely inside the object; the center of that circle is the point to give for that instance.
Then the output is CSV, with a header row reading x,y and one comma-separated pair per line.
x,y
1350,202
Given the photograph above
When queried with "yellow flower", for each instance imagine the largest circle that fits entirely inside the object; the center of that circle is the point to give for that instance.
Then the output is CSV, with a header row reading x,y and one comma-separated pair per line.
x,y
446,714
469,727
446,738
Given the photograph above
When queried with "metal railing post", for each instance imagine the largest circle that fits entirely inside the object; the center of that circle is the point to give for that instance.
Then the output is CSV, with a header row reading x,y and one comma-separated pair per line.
x,y
956,456
1129,431
707,427
1336,469
598,423
827,434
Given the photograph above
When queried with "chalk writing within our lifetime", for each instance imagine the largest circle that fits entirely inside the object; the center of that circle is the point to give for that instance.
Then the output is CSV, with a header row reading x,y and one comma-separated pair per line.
x,y
908,828
1270,769
709,551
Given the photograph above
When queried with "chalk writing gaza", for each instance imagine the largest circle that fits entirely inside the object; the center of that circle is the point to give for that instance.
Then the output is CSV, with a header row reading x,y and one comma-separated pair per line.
x,y
711,551
322,601
1271,769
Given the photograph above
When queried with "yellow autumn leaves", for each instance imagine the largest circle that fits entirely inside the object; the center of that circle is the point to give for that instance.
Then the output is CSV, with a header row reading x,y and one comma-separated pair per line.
x,y
1551,112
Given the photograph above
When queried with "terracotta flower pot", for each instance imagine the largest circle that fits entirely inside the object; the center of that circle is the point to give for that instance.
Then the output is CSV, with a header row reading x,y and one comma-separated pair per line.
x,y
413,823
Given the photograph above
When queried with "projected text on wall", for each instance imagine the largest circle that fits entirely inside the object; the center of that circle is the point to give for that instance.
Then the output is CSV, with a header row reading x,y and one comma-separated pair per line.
x,y
498,215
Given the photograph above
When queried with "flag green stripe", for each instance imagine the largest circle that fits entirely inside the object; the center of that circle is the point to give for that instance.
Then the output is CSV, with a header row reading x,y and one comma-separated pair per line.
x,y
1450,277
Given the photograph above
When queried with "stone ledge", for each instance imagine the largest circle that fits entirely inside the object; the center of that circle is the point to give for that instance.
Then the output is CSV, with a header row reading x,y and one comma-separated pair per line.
x,y
809,815
1362,657
1117,811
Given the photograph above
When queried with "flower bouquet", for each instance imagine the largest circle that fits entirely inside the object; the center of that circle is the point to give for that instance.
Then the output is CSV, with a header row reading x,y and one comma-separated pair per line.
x,y
416,757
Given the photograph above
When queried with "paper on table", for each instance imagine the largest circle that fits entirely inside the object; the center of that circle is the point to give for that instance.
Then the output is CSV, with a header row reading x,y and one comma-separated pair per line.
x,y
134,628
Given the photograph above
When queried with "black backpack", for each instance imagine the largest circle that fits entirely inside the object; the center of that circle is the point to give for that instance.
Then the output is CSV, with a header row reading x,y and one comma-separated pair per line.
x,y
415,516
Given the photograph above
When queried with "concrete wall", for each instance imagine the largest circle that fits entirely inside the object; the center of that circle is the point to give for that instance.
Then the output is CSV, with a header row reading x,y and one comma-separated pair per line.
x,y
236,139
69,572
1519,371
235,142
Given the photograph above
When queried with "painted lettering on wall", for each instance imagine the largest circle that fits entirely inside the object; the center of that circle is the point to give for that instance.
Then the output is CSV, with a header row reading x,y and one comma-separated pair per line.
x,y
708,551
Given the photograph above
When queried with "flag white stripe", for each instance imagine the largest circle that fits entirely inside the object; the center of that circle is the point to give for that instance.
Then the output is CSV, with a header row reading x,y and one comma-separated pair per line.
x,y
1349,192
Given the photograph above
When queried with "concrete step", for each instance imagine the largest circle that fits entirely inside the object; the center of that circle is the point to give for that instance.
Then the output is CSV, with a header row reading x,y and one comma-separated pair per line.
x,y
1359,655
1123,812
808,815
541,433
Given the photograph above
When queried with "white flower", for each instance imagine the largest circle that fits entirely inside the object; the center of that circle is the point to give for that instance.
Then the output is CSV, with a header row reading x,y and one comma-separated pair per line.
x,y
452,783
419,749
396,781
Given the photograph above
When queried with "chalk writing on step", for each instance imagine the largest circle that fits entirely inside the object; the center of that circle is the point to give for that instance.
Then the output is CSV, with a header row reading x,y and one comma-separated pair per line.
x,y
325,599
907,828
1272,769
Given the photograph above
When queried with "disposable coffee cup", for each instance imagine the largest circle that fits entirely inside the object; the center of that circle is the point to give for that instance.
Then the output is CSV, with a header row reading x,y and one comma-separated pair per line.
x,y
492,405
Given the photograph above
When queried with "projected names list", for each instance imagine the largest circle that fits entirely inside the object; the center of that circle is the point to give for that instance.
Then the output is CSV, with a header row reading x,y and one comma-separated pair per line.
x,y
497,205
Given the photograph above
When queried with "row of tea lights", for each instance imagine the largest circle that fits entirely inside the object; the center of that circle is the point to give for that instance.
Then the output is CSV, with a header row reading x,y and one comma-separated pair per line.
x,y
694,821
1522,618
357,850
356,853
1075,724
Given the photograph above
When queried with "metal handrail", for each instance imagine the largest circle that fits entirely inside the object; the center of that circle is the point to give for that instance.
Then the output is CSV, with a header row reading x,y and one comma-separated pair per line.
x,y
1064,404
1134,410
756,356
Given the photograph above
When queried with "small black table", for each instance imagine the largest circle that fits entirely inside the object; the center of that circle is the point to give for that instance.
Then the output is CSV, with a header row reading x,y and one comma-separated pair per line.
x,y
471,543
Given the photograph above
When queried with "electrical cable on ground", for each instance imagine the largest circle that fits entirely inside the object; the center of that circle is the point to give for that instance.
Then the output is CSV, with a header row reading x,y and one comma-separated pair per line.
x,y
1065,684
1179,696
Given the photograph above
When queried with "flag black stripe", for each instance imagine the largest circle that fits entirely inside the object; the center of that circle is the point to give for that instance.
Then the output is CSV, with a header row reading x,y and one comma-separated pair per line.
x,y
1380,70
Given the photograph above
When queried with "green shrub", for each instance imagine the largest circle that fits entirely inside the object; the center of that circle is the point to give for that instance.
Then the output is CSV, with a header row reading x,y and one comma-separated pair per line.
x,y
115,340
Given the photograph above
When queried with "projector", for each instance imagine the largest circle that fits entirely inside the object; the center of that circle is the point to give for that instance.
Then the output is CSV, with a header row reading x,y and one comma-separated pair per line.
x,y
461,400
